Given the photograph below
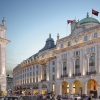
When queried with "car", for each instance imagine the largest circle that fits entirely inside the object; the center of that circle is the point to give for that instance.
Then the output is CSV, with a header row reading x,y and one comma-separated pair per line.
x,y
12,98
73,97
2,98
77,97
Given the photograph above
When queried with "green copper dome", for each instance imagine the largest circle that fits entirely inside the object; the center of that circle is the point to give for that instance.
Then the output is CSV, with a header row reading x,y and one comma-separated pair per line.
x,y
88,20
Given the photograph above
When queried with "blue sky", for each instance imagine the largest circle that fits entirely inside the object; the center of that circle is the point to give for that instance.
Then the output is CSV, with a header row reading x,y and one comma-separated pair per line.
x,y
29,23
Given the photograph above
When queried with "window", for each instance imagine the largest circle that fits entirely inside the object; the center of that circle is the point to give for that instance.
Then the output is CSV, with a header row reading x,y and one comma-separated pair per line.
x,y
91,49
23,75
92,64
76,53
44,70
64,56
53,69
30,80
30,68
85,38
36,79
37,66
53,62
33,73
27,80
92,61
61,46
77,66
23,81
33,79
95,35
30,74
53,77
27,74
64,68
76,40
37,72
27,69
33,67
69,43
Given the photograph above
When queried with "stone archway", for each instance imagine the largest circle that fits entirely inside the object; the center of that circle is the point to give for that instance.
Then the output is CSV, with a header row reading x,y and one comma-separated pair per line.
x,y
65,87
77,87
92,87
44,89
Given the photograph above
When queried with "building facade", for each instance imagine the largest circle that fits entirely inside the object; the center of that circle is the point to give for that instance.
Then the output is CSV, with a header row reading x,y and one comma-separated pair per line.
x,y
3,42
71,66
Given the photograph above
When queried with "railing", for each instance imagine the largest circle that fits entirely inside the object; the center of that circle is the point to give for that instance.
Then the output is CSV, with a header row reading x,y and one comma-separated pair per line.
x,y
77,74
43,80
92,72
66,75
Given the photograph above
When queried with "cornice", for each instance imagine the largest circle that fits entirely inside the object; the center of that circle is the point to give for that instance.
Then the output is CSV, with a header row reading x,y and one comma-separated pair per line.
x,y
2,40
42,61
77,46
85,32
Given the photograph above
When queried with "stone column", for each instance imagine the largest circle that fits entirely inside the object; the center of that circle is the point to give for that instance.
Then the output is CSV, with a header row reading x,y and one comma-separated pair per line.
x,y
62,67
40,88
40,71
48,71
58,67
58,88
98,59
84,88
70,88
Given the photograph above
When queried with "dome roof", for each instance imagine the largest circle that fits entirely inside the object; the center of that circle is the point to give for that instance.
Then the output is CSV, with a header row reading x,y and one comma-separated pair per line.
x,y
88,20
49,44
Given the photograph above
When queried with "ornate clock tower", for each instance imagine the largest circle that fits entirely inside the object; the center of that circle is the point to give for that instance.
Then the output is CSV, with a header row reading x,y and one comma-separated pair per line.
x,y
3,42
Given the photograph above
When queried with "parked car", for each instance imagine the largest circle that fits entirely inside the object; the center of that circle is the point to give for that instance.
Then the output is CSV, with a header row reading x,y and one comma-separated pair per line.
x,y
12,98
1,98
73,97
77,97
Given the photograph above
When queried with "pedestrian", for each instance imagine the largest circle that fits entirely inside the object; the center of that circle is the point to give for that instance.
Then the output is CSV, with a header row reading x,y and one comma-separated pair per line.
x,y
58,97
48,97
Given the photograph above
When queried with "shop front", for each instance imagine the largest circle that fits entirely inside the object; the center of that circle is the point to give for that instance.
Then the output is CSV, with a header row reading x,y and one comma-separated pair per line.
x,y
35,89
44,89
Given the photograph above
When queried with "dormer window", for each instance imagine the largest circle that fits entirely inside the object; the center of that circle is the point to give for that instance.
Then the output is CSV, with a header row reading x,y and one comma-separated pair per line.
x,y
85,38
95,35
61,46
76,40
69,43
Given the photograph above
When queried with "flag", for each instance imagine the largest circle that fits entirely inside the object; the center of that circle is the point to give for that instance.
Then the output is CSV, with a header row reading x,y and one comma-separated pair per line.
x,y
95,12
69,21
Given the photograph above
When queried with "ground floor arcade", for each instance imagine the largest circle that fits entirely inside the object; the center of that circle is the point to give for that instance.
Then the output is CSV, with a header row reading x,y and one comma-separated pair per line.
x,y
87,85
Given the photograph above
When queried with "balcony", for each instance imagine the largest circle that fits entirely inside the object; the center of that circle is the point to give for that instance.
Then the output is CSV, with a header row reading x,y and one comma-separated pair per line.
x,y
77,74
43,80
66,75
92,72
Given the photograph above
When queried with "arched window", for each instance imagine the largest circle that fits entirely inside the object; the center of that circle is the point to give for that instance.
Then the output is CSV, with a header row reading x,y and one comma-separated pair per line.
x,y
92,64
77,66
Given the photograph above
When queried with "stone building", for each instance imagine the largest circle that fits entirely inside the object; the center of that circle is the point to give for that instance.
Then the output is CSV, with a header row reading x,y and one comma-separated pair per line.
x,y
71,66
3,42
